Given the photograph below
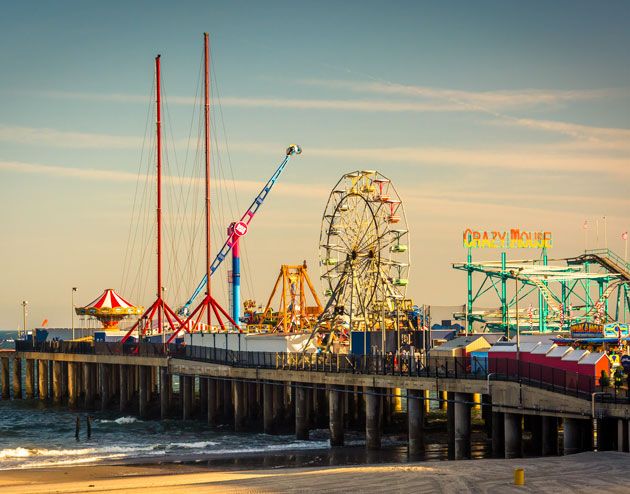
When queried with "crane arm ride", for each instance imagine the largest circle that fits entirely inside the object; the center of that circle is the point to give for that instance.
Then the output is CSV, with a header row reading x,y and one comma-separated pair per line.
x,y
240,227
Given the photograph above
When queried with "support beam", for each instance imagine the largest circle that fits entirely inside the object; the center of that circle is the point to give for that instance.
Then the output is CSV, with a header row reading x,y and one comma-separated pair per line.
x,y
513,435
203,397
228,405
335,414
57,371
549,436
450,424
142,391
4,371
622,435
240,411
462,426
89,371
164,392
186,394
252,402
535,428
373,418
301,413
498,435
30,378
17,378
607,434
415,418
72,385
124,388
268,406
105,380
42,377
213,404
572,436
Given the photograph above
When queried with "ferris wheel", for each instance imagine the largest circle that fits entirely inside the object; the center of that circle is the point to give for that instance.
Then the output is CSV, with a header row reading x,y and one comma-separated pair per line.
x,y
364,247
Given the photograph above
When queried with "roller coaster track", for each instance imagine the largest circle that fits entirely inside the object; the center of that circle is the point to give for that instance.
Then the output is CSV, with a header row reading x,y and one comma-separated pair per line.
x,y
611,288
546,293
605,258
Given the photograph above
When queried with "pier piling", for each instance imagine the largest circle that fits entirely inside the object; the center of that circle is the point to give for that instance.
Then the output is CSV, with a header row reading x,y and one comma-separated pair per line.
x,y
415,419
335,412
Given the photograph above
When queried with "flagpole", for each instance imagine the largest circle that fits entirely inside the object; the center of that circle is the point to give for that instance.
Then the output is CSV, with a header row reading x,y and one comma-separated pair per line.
x,y
585,227
597,232
605,235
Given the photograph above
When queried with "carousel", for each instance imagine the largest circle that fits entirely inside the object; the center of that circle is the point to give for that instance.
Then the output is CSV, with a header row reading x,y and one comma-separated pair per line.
x,y
109,308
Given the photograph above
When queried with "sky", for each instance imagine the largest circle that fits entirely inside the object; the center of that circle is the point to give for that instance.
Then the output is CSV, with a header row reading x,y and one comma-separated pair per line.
x,y
488,115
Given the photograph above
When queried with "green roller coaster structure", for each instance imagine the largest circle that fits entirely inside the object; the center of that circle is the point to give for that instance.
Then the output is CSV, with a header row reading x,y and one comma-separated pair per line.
x,y
594,286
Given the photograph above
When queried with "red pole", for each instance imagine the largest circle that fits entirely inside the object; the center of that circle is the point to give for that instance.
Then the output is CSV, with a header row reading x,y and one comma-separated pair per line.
x,y
158,126
207,145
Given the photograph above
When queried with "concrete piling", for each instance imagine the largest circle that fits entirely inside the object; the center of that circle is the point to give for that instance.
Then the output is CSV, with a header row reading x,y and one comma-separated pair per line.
x,y
240,411
4,371
513,434
335,413
142,391
415,418
572,436
42,377
373,418
549,436
301,413
268,406
462,426
30,378
498,435
213,403
17,378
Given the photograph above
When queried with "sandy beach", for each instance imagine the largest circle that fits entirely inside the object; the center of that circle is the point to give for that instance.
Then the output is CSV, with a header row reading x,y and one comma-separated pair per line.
x,y
586,472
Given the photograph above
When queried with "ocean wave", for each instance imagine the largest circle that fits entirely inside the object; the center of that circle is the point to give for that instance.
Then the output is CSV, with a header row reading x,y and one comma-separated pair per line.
x,y
15,453
195,445
120,421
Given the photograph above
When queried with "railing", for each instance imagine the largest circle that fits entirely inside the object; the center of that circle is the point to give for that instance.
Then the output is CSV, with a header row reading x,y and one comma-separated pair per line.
x,y
610,255
539,376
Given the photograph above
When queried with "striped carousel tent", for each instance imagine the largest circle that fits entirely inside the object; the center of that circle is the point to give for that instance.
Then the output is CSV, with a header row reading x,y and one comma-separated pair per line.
x,y
109,308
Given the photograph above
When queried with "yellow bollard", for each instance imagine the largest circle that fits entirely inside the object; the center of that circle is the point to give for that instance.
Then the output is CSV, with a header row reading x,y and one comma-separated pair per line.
x,y
519,476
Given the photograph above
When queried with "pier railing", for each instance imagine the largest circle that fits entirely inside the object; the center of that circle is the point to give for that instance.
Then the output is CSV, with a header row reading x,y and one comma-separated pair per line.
x,y
543,377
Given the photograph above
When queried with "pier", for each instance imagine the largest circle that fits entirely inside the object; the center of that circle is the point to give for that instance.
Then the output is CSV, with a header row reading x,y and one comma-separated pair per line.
x,y
274,392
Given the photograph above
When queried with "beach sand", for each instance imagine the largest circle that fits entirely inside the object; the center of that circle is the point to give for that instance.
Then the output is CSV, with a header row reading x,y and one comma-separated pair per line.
x,y
582,473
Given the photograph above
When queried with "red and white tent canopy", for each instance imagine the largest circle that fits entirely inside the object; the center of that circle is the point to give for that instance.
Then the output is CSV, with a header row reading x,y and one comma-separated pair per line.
x,y
110,300
109,304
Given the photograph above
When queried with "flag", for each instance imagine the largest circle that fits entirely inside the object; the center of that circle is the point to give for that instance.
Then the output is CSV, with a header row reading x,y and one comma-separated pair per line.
x,y
624,235
585,225
530,314
562,314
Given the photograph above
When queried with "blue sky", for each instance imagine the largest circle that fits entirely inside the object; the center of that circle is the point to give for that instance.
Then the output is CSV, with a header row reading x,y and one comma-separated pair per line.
x,y
489,115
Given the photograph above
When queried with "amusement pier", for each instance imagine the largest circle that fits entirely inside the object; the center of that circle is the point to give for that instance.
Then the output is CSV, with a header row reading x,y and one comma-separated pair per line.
x,y
537,353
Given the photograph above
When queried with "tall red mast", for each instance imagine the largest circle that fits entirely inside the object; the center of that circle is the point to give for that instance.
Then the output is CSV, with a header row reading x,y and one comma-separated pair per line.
x,y
159,307
158,130
209,305
207,149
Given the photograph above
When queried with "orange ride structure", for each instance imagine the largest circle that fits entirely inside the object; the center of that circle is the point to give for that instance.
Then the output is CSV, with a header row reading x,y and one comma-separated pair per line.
x,y
294,314
109,308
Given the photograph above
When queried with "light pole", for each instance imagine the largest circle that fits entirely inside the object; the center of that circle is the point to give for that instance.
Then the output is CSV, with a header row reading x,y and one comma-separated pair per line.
x,y
518,334
74,289
24,304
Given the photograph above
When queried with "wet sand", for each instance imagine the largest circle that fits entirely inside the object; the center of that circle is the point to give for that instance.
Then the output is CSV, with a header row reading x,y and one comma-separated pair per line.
x,y
583,473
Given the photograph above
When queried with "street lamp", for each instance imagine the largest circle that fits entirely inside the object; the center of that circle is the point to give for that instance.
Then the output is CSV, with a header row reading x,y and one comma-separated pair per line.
x,y
518,334
24,304
74,289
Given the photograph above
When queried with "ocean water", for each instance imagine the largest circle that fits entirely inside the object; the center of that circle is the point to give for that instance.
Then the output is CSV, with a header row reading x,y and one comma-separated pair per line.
x,y
36,434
